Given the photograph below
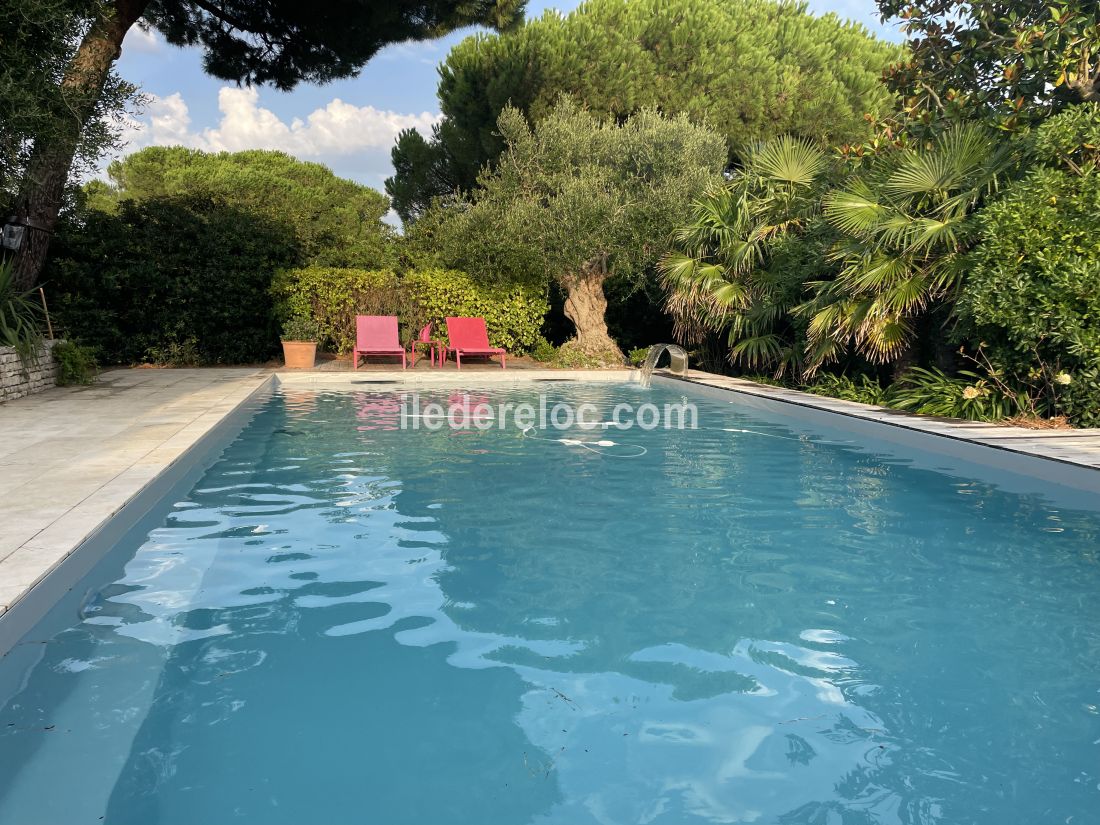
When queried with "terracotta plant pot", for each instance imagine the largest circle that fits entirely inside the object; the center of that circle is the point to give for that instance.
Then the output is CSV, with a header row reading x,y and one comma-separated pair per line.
x,y
299,355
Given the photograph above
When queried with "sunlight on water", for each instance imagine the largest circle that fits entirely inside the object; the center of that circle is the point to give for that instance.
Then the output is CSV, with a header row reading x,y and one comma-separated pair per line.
x,y
344,622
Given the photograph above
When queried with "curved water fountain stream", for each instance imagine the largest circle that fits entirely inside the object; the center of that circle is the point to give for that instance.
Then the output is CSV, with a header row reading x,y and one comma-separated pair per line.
x,y
678,362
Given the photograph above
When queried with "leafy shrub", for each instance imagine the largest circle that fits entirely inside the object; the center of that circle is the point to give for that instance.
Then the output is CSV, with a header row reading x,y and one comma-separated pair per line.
x,y
573,358
769,380
513,313
333,296
544,351
172,280
1070,139
637,356
1034,282
20,317
76,364
863,389
332,221
969,396
1032,297
1079,401
300,328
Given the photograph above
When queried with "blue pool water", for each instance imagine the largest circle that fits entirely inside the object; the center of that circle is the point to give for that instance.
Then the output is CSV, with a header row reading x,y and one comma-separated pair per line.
x,y
344,623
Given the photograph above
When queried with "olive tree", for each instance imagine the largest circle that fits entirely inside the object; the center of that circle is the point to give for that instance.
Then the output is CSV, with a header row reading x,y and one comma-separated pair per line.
x,y
575,200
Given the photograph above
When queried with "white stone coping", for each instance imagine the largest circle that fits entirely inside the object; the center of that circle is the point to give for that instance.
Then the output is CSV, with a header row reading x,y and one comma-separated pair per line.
x,y
70,496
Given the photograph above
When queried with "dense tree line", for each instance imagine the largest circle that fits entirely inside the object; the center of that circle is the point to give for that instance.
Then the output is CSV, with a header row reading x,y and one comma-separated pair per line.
x,y
747,69
59,57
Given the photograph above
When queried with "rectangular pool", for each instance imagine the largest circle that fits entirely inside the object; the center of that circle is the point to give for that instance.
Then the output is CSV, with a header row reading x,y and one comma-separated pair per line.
x,y
344,622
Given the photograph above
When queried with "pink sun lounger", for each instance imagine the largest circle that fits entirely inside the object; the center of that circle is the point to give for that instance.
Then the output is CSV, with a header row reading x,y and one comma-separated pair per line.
x,y
468,337
376,335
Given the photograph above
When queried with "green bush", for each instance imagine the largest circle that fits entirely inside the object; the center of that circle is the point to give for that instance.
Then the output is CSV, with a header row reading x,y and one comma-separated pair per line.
x,y
1034,281
333,297
513,313
636,357
969,395
170,280
544,352
300,328
1032,295
1079,401
76,364
864,389
20,317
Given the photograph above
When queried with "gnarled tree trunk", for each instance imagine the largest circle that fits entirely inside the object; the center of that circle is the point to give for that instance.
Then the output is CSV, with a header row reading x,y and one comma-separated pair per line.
x,y
586,307
43,186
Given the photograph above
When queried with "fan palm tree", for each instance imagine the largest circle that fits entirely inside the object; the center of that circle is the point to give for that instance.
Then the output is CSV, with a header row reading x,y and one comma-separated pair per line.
x,y
721,275
905,226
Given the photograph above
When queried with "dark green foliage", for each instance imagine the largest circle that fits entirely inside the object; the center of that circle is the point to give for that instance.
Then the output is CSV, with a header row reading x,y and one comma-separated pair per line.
x,y
423,171
37,40
748,69
336,222
544,352
1031,298
1034,282
301,328
966,395
753,247
285,42
1080,400
332,297
21,317
76,364
577,200
863,388
1010,64
171,280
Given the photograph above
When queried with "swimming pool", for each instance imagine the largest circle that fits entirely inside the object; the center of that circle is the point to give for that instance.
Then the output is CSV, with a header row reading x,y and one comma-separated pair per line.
x,y
758,620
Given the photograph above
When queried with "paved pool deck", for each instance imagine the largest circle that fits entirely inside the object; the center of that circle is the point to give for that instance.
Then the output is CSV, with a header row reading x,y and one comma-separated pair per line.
x,y
71,458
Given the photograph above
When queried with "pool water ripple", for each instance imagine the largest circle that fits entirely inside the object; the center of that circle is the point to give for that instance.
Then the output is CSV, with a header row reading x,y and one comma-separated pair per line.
x,y
344,622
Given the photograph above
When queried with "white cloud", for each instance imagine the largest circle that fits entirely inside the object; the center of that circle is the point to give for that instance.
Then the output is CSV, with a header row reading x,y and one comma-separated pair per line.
x,y
338,129
139,39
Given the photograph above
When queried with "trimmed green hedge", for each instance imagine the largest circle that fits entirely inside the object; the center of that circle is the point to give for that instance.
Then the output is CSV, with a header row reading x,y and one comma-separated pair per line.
x,y
333,297
181,280
513,314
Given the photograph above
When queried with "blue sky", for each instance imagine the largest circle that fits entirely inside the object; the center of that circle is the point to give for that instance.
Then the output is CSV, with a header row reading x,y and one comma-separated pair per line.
x,y
348,125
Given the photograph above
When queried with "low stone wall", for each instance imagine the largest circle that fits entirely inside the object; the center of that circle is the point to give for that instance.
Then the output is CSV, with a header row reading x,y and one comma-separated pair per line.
x,y
17,379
